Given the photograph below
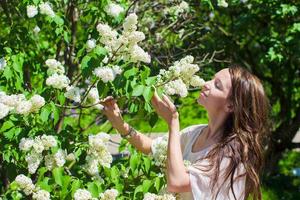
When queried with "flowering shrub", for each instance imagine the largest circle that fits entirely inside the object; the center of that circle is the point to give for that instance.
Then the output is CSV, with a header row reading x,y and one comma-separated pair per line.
x,y
65,58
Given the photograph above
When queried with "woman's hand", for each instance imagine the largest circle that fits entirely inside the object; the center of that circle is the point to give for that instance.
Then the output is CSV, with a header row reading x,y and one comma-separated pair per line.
x,y
165,108
113,113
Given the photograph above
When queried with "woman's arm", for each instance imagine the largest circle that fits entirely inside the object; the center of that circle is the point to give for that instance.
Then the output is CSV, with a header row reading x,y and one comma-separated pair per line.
x,y
177,178
111,110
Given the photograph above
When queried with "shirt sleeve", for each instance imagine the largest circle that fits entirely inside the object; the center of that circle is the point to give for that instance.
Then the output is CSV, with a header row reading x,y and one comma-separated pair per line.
x,y
201,186
185,136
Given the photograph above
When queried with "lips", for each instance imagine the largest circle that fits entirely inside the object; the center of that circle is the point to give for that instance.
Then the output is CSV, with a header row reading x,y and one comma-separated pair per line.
x,y
203,94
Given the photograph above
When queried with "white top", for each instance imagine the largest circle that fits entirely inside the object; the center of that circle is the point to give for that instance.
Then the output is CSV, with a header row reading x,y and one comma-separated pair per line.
x,y
199,180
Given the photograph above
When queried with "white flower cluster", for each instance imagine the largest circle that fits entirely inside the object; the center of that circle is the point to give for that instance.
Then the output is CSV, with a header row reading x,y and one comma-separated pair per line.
x,y
90,44
93,97
98,153
222,3
82,194
151,196
159,149
45,8
107,73
73,93
124,45
41,195
113,9
35,148
178,9
58,80
25,184
56,160
180,76
29,188
110,194
17,103
56,71
2,64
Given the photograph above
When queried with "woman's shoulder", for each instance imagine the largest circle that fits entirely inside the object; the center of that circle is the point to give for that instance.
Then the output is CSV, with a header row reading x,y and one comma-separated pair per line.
x,y
192,128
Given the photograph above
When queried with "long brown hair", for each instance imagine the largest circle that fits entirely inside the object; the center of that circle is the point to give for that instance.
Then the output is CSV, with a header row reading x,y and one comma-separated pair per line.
x,y
244,130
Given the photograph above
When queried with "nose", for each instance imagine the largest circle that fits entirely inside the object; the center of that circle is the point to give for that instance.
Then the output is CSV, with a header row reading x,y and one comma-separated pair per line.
x,y
206,85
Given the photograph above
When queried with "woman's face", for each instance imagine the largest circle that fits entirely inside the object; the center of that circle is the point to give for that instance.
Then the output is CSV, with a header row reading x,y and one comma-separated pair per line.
x,y
214,93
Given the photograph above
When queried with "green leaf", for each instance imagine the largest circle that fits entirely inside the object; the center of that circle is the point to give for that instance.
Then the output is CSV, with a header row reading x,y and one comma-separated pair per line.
x,y
46,110
153,119
6,125
85,65
147,164
131,72
58,20
151,80
57,173
148,93
12,133
134,159
75,185
157,183
146,185
93,188
100,51
55,112
138,90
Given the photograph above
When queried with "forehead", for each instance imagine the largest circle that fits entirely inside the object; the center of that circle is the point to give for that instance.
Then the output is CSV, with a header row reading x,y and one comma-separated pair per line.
x,y
224,77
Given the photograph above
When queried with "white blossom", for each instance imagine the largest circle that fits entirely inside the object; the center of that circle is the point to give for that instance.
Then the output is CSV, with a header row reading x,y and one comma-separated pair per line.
x,y
58,81
92,165
24,107
32,11
55,67
38,145
138,54
2,63
26,144
70,157
41,195
12,100
106,33
59,158
45,8
114,10
90,44
105,74
48,141
110,194
49,162
36,29
159,150
82,194
25,184
4,110
73,93
176,87
151,196
33,161
222,3
37,102
117,69
98,153
196,81
130,23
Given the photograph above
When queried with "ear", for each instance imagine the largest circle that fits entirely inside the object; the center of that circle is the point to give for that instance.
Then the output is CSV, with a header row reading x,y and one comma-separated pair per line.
x,y
229,107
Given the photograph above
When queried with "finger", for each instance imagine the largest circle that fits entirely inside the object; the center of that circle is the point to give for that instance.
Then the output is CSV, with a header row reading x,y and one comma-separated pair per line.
x,y
168,101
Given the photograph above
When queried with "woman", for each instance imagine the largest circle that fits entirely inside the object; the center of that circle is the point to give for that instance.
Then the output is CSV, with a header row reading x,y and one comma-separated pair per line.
x,y
226,154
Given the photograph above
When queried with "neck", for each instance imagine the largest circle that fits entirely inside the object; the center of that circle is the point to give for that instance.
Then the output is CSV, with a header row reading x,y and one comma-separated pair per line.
x,y
216,126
